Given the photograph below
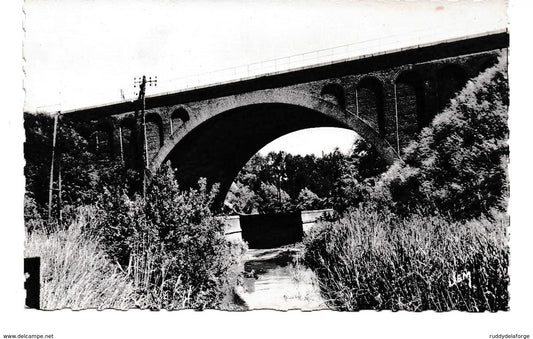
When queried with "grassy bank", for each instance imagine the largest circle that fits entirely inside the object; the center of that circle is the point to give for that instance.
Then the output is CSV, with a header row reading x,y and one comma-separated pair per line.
x,y
165,251
436,238
76,274
373,260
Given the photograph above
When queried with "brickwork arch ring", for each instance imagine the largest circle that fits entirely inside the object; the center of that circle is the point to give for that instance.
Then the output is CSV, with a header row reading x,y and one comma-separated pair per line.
x,y
275,96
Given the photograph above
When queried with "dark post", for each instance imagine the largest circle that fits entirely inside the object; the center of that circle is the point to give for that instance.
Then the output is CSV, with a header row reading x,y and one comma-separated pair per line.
x,y
59,189
32,271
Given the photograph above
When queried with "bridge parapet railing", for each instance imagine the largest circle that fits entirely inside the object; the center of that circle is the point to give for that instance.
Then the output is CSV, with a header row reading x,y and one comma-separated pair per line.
x,y
398,41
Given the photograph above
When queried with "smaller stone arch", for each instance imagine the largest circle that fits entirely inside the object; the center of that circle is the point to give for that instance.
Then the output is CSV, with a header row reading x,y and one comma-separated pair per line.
x,y
451,78
179,117
370,103
128,122
334,93
410,87
485,64
154,133
410,104
101,139
127,142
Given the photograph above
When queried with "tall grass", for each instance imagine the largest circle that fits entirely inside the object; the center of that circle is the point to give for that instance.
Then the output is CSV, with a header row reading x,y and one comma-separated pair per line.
x,y
375,260
153,276
75,273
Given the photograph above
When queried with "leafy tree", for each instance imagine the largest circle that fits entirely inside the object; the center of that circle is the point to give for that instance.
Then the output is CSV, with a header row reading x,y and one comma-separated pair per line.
x,y
171,244
457,166
242,199
358,176
348,190
33,216
37,153
273,199
333,180
85,173
308,200
365,160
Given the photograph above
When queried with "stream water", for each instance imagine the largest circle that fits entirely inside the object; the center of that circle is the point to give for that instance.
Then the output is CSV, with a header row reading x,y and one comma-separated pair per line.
x,y
275,279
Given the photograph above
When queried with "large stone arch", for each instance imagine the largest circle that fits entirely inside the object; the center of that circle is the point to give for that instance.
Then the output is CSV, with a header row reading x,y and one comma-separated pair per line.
x,y
221,136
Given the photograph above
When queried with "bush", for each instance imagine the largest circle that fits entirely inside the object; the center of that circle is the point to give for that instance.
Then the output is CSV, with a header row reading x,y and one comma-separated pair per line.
x,y
308,200
273,199
458,165
375,260
75,272
33,216
241,199
171,245
357,175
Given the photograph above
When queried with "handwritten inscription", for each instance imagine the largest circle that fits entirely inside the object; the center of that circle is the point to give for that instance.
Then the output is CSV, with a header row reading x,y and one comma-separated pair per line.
x,y
459,278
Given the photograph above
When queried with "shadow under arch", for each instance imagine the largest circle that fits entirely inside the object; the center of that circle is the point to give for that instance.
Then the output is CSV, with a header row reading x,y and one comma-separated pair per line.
x,y
218,141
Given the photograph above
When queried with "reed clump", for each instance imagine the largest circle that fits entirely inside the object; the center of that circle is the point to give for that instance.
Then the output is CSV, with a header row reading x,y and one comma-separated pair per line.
x,y
76,273
375,260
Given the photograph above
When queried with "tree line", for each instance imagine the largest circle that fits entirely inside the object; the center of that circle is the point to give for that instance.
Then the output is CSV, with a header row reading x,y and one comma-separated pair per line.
x,y
282,182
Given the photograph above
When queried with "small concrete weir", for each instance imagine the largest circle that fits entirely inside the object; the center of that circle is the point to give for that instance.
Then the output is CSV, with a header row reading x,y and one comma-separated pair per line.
x,y
271,230
274,275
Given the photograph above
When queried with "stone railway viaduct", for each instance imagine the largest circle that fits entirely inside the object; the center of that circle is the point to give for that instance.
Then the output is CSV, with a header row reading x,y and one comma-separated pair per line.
x,y
213,131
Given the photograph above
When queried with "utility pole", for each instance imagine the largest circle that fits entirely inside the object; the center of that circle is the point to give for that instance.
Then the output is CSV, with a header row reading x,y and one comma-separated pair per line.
x,y
396,117
51,186
141,99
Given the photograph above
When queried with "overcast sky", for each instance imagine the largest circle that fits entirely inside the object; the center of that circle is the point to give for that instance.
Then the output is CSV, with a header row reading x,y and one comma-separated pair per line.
x,y
81,53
